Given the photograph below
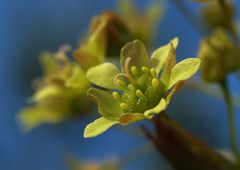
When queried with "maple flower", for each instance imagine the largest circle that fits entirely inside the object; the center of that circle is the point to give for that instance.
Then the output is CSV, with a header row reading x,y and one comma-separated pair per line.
x,y
143,87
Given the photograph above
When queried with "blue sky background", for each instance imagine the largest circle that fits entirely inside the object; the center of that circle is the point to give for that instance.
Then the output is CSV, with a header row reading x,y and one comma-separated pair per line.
x,y
29,27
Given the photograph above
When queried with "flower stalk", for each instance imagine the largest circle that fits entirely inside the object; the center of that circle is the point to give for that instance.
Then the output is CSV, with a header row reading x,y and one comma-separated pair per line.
x,y
232,128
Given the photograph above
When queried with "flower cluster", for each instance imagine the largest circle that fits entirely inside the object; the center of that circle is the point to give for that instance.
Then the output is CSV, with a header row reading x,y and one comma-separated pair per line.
x,y
220,56
142,23
217,15
60,93
143,88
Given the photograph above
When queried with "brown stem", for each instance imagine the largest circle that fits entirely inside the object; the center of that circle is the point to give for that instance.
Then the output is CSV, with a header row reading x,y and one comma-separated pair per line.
x,y
183,150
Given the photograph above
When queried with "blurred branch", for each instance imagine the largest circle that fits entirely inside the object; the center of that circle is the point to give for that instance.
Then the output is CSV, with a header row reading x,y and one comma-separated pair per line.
x,y
183,150
231,119
210,90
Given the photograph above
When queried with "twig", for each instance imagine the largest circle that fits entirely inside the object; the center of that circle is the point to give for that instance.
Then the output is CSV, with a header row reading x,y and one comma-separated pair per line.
x,y
232,128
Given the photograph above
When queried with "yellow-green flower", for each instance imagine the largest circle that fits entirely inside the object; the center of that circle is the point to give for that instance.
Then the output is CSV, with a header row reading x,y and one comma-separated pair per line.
x,y
142,89
142,23
219,55
60,93
108,33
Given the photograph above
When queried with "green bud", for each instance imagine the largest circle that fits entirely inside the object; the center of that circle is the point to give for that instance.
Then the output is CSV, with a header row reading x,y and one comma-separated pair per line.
x,y
219,55
215,16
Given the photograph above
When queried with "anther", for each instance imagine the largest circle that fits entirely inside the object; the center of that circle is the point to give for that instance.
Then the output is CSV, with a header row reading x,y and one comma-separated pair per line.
x,y
139,93
155,82
115,95
120,83
123,106
145,69
134,70
153,72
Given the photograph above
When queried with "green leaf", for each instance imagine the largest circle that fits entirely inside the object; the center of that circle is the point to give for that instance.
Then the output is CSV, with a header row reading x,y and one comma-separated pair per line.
x,y
183,70
32,117
77,80
107,106
98,127
137,52
127,118
103,75
160,55
162,105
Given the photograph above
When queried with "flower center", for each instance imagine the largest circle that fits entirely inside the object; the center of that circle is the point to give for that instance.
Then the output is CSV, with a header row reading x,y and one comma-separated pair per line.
x,y
140,89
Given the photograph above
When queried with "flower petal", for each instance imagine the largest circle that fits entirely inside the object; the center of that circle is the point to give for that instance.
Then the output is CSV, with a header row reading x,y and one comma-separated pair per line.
x,y
32,117
48,62
162,105
45,92
137,52
183,70
92,51
127,118
98,127
107,106
103,75
176,87
160,55
77,80
168,65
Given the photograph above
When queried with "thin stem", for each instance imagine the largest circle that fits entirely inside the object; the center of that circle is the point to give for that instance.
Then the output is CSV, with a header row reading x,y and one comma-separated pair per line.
x,y
190,17
232,128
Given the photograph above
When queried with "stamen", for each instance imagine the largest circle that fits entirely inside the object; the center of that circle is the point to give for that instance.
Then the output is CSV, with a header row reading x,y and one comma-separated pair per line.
x,y
120,83
117,81
153,72
115,95
124,106
128,74
139,93
134,70
127,63
145,69
155,82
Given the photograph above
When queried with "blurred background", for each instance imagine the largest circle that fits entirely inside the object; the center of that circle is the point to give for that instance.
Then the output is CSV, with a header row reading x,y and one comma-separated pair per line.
x,y
29,27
